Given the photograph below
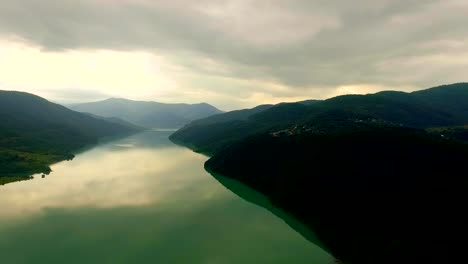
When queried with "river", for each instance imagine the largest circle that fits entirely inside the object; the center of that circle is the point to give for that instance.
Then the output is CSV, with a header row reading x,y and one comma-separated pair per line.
x,y
141,199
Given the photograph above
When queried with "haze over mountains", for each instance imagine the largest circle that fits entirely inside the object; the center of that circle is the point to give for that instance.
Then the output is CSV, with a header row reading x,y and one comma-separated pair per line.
x,y
148,114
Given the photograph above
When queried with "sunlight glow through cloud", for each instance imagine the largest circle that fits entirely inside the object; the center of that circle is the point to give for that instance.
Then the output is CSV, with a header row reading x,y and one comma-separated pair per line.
x,y
230,53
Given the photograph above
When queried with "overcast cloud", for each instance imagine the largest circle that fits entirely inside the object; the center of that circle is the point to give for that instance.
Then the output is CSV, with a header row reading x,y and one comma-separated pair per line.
x,y
232,53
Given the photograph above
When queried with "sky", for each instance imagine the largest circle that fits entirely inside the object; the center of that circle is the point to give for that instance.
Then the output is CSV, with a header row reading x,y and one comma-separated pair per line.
x,y
230,53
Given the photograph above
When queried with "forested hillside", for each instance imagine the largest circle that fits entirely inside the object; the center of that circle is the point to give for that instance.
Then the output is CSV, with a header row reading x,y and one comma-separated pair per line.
x,y
35,133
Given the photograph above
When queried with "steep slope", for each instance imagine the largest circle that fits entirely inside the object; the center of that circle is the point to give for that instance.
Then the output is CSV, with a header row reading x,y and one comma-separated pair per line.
x,y
436,107
371,194
148,114
35,133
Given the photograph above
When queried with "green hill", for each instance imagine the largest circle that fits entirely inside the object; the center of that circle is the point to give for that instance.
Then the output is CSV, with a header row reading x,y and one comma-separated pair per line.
x,y
35,133
148,114
436,107
370,193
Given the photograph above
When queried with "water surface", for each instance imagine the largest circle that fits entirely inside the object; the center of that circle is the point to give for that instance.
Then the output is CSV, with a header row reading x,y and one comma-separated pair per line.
x,y
141,199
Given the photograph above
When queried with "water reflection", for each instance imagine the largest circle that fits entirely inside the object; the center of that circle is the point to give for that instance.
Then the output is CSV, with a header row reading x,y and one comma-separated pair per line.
x,y
108,176
250,195
138,200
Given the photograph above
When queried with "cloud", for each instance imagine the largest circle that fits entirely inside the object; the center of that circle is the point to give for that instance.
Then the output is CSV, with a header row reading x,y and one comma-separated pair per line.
x,y
306,47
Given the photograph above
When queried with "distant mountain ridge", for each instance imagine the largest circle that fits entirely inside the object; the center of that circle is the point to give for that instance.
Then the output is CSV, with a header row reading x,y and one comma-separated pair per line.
x,y
35,133
148,113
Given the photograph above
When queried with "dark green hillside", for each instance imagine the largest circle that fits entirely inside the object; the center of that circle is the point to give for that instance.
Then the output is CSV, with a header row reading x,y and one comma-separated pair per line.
x,y
436,107
237,115
222,129
243,115
35,133
211,134
449,97
396,107
378,178
371,194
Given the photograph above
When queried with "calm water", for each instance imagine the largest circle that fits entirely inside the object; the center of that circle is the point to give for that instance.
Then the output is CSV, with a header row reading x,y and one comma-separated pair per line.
x,y
141,200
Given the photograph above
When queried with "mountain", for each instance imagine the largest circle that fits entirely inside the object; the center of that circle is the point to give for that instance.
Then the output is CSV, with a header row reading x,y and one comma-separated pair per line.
x,y
148,114
436,107
116,120
212,133
35,133
376,178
